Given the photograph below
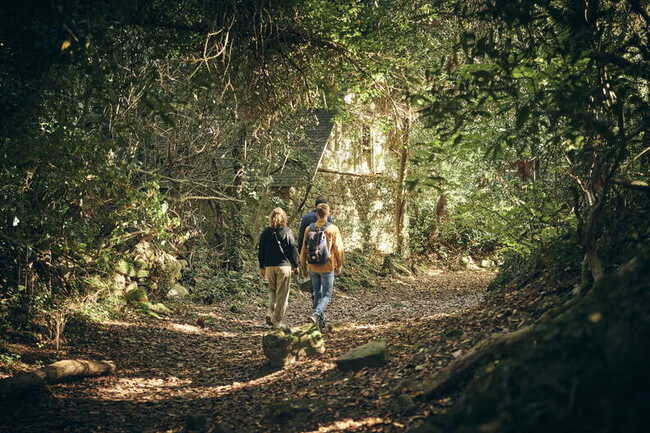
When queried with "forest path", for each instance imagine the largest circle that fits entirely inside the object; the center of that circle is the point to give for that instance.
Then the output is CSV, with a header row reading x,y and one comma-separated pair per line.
x,y
204,366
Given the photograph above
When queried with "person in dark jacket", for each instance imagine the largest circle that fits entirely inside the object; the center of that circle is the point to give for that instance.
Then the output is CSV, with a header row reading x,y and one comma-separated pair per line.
x,y
278,258
308,219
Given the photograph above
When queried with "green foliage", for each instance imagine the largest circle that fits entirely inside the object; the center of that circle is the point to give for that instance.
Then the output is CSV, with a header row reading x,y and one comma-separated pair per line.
x,y
362,270
208,283
8,358
562,83
98,310
171,122
226,284
554,262
467,203
463,233
71,197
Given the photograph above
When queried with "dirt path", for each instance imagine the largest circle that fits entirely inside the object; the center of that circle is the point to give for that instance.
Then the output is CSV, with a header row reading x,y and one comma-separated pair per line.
x,y
204,370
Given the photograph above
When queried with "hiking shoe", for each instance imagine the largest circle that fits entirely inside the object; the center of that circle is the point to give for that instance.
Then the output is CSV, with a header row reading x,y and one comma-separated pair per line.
x,y
315,320
322,325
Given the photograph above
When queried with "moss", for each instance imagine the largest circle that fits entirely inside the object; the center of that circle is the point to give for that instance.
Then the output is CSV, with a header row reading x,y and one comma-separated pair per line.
x,y
138,294
141,264
123,267
372,354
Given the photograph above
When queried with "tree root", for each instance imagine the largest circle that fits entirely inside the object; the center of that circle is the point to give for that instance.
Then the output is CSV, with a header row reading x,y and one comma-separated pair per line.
x,y
462,367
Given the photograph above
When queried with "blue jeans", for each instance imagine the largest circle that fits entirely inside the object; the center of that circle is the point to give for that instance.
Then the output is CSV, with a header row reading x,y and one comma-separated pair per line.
x,y
321,291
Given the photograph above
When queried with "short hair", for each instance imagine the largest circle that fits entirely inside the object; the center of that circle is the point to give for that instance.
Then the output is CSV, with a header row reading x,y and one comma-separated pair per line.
x,y
322,210
320,199
278,218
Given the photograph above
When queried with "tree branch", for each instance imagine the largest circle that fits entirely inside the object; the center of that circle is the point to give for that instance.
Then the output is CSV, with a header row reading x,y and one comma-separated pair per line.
x,y
343,173
639,185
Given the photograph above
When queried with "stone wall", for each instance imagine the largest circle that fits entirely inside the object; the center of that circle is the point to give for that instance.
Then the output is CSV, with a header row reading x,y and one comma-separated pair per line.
x,y
363,199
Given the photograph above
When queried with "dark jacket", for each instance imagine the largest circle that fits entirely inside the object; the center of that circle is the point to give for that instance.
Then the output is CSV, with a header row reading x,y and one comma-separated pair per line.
x,y
307,219
268,250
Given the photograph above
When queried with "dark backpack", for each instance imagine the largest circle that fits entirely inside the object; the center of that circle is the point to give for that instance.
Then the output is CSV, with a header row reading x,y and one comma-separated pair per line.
x,y
317,250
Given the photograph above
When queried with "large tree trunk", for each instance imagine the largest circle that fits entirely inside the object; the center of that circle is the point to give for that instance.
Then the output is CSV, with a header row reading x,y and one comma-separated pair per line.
x,y
580,368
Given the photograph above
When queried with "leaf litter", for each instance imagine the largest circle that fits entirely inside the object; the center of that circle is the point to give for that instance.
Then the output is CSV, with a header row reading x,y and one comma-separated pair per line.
x,y
203,369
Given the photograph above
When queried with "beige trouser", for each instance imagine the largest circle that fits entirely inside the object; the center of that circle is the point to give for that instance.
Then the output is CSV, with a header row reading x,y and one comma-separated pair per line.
x,y
278,278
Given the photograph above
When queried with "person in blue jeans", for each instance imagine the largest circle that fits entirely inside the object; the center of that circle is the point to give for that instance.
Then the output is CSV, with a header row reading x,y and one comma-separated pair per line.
x,y
322,271
307,219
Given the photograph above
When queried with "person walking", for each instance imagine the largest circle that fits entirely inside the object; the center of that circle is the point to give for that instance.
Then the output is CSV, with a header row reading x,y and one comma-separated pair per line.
x,y
309,218
322,255
277,255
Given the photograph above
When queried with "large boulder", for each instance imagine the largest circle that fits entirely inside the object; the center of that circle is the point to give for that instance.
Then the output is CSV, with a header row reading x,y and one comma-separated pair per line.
x,y
372,354
285,345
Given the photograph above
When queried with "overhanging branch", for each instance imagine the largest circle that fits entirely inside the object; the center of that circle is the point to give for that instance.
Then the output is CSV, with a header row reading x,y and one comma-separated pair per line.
x,y
344,173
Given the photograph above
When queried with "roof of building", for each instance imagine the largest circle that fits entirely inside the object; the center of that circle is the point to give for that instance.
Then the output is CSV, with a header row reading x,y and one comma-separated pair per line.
x,y
301,167
304,156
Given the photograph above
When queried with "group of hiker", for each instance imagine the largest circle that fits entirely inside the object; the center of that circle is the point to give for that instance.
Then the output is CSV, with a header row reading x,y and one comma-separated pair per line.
x,y
318,254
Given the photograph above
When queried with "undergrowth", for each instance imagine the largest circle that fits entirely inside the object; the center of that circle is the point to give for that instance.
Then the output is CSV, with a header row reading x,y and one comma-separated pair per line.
x,y
361,270
556,263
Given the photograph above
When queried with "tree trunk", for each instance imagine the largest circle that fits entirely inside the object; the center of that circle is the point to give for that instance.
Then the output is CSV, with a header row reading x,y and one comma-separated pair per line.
x,y
236,228
462,367
583,365
400,201
72,368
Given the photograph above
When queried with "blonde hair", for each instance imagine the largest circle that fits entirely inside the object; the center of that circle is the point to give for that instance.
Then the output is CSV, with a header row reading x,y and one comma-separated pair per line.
x,y
278,218
322,210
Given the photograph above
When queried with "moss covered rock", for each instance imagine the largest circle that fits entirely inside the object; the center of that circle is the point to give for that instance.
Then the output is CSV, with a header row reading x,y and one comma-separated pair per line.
x,y
141,274
284,346
373,354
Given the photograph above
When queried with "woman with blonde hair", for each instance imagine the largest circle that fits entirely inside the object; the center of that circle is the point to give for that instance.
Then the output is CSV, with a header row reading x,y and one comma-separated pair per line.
x,y
278,258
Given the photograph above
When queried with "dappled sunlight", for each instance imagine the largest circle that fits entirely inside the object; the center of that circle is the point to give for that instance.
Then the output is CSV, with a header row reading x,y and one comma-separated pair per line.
x,y
349,424
122,324
432,272
162,388
222,334
185,328
439,316
139,387
212,314
368,326
213,359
